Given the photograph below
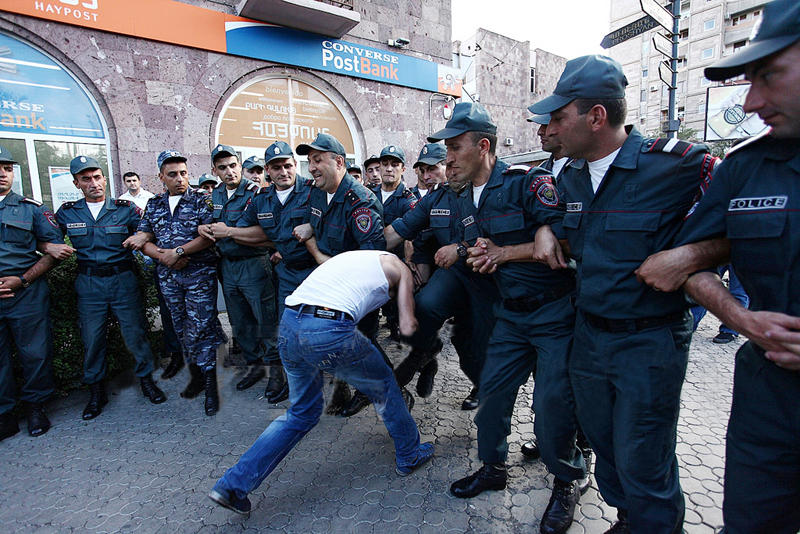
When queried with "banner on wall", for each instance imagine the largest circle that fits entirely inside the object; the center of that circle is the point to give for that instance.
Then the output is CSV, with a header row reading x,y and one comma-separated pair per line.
x,y
182,24
61,186
725,115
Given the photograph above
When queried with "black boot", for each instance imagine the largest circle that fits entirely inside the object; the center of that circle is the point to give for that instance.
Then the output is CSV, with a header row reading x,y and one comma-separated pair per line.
x,y
196,384
471,402
151,390
560,510
175,364
530,449
254,374
212,397
621,525
8,425
425,380
488,477
357,403
340,398
38,423
97,399
277,386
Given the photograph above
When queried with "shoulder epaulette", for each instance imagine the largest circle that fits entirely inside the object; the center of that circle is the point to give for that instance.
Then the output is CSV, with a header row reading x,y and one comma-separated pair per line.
x,y
668,145
122,202
262,190
408,193
748,143
252,187
352,196
32,201
517,169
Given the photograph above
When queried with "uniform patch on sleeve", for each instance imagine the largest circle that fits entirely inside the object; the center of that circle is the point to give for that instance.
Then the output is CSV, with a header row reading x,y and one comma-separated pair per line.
x,y
51,218
545,190
209,202
363,219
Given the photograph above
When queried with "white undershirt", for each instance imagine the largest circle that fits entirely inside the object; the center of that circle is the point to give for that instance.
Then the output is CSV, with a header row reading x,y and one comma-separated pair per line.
x,y
330,197
173,201
95,208
558,165
476,193
3,197
283,195
422,192
230,192
385,195
598,168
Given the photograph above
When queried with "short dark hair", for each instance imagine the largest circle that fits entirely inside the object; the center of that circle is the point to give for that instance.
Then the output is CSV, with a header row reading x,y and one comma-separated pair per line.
x,y
477,136
130,173
616,108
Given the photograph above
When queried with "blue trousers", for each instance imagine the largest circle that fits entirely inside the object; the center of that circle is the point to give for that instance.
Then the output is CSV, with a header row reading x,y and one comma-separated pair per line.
x,y
627,389
250,299
25,320
288,280
520,343
762,454
119,294
308,346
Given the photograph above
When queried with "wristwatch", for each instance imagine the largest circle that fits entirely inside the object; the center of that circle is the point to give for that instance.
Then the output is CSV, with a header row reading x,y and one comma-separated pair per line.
x,y
25,283
179,251
461,250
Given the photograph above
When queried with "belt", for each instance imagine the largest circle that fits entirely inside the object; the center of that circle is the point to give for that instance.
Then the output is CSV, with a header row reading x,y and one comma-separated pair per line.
x,y
105,270
529,304
632,325
299,265
240,258
321,312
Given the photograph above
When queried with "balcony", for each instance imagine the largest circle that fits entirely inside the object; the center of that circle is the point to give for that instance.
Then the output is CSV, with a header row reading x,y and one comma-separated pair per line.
x,y
333,18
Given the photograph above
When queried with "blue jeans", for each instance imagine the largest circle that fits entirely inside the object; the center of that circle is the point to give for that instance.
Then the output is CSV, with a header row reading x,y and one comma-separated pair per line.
x,y
736,289
308,346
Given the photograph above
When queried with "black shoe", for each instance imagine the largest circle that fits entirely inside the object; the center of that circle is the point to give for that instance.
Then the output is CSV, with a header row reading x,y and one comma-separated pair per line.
x,y
425,380
340,399
235,347
408,397
488,477
175,364
621,525
229,500
8,425
97,399
530,449
38,423
212,397
151,390
256,373
471,402
561,509
196,384
723,337
356,404
277,385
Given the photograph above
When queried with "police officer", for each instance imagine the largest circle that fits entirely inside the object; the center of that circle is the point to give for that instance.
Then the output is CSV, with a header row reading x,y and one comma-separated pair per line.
x,y
623,200
372,172
752,211
344,215
24,303
269,220
253,170
97,225
557,159
355,172
245,272
207,182
168,233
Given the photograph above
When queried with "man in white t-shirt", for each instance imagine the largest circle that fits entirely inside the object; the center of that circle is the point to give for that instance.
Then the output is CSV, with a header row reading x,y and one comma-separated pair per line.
x,y
135,192
318,333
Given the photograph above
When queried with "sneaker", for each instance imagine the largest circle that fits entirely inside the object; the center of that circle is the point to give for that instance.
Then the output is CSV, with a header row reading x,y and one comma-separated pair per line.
x,y
723,338
424,454
229,500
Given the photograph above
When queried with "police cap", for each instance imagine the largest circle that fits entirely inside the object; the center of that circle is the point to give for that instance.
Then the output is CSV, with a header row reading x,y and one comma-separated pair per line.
x,y
592,76
356,168
395,152
205,178
5,155
431,154
540,119
323,143
169,156
370,160
222,151
81,163
780,28
467,117
253,162
277,150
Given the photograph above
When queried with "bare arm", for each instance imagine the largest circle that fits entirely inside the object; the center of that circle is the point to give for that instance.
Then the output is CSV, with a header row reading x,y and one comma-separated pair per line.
x,y
58,251
485,257
399,277
393,239
669,269
319,257
548,249
9,285
251,236
138,240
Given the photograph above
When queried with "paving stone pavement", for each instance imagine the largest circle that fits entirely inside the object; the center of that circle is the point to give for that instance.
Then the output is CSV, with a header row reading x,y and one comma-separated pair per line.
x,y
145,468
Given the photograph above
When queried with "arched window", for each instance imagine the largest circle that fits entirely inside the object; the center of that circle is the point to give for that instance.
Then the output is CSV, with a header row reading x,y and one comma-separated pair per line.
x,y
47,118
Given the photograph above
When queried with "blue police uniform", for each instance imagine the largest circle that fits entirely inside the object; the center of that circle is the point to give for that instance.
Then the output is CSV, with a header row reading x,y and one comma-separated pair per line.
x,y
277,222
106,280
754,201
246,275
191,292
534,323
25,318
399,202
631,343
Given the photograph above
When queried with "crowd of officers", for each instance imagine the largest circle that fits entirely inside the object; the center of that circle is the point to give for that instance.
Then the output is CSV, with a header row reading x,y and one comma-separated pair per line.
x,y
576,272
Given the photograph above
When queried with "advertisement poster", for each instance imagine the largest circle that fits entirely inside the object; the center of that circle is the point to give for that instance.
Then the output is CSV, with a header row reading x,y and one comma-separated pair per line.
x,y
61,186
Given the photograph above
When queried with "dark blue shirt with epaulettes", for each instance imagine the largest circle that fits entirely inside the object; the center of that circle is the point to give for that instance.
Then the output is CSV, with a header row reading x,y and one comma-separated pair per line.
x,y
399,202
507,214
229,210
175,230
352,221
278,220
637,211
436,215
99,242
23,223
754,201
